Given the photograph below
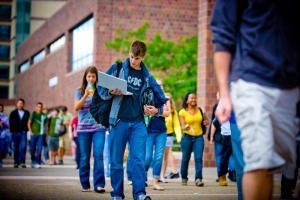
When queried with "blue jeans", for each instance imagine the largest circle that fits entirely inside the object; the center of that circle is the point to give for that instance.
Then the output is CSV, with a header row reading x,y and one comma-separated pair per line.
x,y
157,140
217,148
135,133
20,144
36,145
191,144
238,157
77,151
107,155
128,166
86,141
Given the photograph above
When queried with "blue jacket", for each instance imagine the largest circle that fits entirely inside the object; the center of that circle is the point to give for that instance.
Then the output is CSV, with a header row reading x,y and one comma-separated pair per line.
x,y
261,36
160,98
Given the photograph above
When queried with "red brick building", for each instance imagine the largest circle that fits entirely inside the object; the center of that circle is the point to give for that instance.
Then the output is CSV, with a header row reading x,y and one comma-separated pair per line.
x,y
50,60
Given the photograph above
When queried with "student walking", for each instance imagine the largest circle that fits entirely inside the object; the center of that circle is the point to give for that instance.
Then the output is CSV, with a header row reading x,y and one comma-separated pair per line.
x,y
64,139
18,120
127,120
173,127
55,125
156,142
36,123
89,134
74,136
4,126
191,120
256,50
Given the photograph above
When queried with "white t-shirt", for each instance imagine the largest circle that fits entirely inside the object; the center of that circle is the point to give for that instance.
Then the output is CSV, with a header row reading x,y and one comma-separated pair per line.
x,y
225,128
21,113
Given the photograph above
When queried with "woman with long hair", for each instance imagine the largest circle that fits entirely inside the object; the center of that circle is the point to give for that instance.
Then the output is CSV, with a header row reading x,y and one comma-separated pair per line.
x,y
191,120
173,126
89,133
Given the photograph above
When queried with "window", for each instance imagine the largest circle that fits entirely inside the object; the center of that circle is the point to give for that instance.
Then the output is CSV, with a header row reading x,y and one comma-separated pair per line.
x,y
57,44
3,92
4,32
24,66
4,72
5,12
39,56
4,52
83,42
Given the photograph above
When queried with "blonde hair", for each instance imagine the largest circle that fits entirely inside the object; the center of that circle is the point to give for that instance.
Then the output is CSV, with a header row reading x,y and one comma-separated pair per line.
x,y
172,103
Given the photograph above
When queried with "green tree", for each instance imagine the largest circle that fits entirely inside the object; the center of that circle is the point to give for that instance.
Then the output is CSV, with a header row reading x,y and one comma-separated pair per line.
x,y
173,61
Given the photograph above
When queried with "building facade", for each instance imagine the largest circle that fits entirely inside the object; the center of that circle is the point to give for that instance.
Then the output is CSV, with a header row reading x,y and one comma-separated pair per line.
x,y
18,20
51,62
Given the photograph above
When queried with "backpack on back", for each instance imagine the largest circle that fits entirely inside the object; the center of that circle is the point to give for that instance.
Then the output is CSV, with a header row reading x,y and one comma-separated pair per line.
x,y
100,108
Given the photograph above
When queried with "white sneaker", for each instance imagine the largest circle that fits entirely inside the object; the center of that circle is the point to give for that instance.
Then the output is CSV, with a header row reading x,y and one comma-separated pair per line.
x,y
37,166
129,182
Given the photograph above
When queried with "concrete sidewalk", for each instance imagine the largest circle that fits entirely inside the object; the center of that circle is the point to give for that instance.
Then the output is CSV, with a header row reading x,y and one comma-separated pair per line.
x,y
62,182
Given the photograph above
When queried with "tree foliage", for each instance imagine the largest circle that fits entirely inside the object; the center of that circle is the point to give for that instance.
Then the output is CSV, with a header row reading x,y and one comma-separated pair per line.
x,y
175,62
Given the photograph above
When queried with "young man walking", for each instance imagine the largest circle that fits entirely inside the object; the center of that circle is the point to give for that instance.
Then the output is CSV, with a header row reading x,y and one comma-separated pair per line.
x,y
18,120
127,120
256,48
36,123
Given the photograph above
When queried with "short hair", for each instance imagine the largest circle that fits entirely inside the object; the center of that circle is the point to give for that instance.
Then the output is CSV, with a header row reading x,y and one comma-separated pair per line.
x,y
138,48
56,109
1,105
21,100
39,103
64,108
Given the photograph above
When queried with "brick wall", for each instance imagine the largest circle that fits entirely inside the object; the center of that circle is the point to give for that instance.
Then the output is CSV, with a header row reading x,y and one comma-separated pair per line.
x,y
206,84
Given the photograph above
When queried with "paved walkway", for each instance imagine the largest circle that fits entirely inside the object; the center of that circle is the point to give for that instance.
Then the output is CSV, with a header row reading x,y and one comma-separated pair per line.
x,y
62,182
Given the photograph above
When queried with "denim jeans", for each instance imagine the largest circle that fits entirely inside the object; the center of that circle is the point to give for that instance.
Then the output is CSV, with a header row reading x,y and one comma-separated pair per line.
x,y
128,166
86,140
226,153
77,151
36,145
135,133
218,148
238,157
20,144
157,140
191,144
107,155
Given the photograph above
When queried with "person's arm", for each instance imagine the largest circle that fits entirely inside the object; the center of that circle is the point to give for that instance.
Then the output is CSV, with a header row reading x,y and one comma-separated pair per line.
x,y
176,127
222,61
79,103
183,124
167,109
213,131
224,25
29,126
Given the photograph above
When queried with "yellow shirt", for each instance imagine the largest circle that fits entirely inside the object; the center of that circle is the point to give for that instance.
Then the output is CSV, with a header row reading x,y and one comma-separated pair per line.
x,y
173,125
194,121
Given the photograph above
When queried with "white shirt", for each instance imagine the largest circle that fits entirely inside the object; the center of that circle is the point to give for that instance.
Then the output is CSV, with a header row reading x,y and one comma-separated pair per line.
x,y
21,113
225,128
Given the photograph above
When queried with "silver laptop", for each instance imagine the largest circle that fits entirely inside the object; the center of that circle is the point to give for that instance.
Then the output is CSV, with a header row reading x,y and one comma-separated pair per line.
x,y
112,82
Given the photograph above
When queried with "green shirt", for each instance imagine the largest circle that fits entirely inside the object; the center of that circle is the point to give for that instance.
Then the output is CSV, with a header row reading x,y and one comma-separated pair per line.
x,y
53,129
38,121
66,118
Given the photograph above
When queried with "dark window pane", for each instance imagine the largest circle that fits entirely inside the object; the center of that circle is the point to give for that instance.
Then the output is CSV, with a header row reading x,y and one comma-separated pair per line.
x,y
4,32
3,92
5,12
4,52
4,72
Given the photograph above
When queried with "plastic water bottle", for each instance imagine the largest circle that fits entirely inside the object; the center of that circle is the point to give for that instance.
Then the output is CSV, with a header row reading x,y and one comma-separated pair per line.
x,y
91,90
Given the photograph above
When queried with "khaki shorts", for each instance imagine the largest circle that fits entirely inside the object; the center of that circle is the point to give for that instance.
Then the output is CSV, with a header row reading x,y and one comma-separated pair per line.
x,y
64,141
266,118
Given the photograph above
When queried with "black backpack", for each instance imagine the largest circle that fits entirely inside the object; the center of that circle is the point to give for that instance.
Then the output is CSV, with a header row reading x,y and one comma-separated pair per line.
x,y
100,108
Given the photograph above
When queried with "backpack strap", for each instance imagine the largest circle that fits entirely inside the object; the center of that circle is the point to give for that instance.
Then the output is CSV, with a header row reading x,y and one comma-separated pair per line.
x,y
201,112
119,67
